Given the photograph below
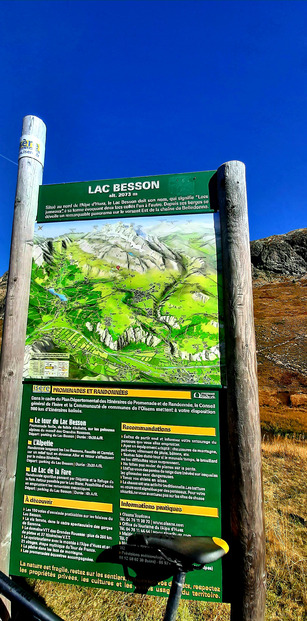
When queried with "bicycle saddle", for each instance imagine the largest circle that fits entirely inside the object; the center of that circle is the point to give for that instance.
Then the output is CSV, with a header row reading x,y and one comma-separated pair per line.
x,y
191,550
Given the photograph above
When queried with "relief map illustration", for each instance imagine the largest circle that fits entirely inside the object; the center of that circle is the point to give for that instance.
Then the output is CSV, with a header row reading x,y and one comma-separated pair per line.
x,y
130,300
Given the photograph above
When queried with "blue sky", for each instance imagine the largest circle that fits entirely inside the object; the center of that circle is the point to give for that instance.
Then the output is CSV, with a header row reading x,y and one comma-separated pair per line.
x,y
146,87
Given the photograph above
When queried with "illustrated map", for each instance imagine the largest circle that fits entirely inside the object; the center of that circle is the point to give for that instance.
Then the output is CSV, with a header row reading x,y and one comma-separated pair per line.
x,y
130,300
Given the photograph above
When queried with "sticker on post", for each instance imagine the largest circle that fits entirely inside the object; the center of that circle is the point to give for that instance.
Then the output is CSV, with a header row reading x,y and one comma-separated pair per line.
x,y
30,146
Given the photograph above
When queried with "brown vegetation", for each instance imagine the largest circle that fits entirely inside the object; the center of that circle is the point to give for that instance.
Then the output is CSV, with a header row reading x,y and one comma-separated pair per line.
x,y
280,321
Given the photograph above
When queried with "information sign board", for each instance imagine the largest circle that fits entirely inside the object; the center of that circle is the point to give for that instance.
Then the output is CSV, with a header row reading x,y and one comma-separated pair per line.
x,y
123,366
138,196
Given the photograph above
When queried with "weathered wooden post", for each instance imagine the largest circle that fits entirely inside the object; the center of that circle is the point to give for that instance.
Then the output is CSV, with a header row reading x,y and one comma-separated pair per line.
x,y
30,170
246,499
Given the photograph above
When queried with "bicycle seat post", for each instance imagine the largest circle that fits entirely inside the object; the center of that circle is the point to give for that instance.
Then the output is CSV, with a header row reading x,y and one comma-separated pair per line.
x,y
169,555
174,596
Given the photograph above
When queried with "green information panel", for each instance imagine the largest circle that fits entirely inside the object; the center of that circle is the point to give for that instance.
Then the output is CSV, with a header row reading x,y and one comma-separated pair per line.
x,y
96,464
112,198
123,366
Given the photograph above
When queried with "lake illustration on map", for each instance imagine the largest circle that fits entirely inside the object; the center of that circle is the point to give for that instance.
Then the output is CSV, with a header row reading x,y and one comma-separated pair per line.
x,y
130,300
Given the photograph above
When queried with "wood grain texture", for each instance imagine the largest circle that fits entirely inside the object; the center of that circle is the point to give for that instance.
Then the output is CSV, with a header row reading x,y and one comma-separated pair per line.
x,y
14,332
247,545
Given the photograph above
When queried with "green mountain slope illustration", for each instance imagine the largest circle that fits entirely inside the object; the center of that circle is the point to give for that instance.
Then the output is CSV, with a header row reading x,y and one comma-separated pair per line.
x,y
128,302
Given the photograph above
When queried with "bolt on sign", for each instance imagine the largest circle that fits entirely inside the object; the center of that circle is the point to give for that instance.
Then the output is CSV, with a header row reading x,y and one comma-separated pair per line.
x,y
123,374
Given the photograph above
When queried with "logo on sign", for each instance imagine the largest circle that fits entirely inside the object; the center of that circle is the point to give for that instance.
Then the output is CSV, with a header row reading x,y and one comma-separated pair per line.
x,y
203,395
38,388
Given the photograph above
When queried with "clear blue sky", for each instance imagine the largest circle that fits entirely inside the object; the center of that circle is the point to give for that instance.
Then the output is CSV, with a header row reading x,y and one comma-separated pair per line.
x,y
130,88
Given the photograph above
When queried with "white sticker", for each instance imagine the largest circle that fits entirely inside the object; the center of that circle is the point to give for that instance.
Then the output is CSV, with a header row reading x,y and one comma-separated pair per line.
x,y
48,367
30,146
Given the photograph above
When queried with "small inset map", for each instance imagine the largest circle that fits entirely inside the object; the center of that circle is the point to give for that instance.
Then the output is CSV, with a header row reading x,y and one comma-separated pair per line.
x,y
131,300
47,365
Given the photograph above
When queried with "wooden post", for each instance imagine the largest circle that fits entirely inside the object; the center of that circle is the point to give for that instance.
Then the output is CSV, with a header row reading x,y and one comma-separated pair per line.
x,y
247,546
30,170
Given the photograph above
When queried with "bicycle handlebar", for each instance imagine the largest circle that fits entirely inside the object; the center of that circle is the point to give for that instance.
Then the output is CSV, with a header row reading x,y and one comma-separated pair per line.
x,y
16,593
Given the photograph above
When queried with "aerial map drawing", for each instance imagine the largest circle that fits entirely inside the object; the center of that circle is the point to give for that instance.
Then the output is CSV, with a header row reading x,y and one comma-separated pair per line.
x,y
130,300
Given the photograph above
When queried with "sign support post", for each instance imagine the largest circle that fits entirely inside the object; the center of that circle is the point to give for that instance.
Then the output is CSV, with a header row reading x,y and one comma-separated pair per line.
x,y
247,546
30,171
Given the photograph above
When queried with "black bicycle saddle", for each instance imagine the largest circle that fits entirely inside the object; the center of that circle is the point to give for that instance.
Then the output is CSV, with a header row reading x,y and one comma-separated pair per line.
x,y
191,550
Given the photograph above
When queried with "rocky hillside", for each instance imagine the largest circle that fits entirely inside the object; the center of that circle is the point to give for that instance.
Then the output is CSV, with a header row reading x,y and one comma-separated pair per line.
x,y
280,323
280,256
279,266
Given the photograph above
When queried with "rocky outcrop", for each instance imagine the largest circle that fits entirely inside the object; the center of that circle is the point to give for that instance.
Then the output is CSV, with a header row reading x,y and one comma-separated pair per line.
x,y
207,354
138,335
200,297
170,321
280,255
131,335
44,249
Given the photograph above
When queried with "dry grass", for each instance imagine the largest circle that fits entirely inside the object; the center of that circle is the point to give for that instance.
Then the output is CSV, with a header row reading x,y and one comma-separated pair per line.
x,y
284,421
284,470
83,604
